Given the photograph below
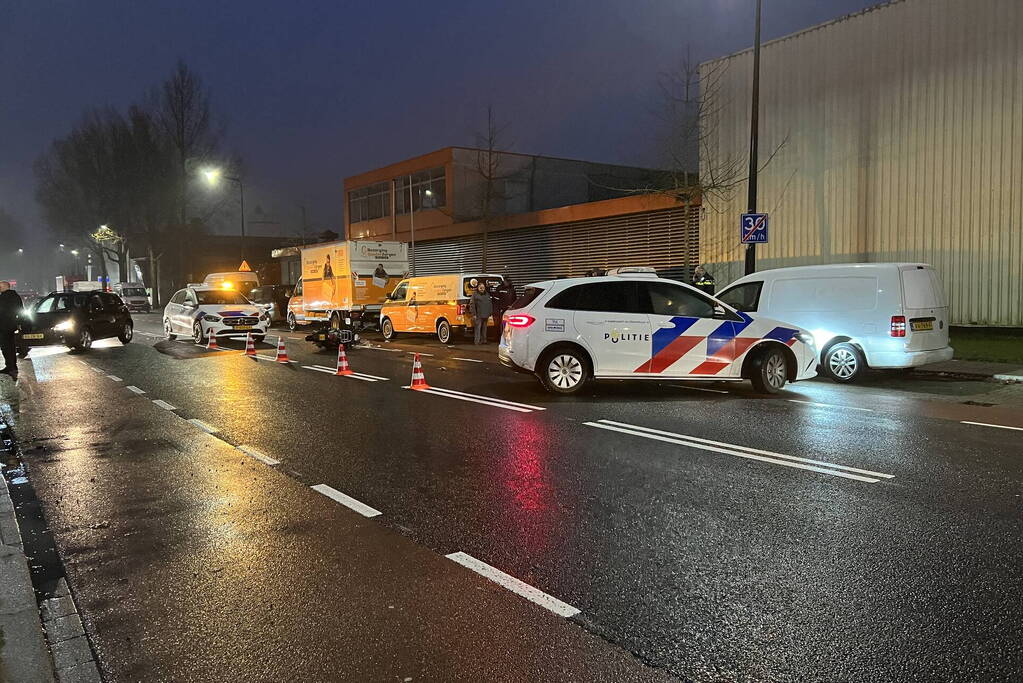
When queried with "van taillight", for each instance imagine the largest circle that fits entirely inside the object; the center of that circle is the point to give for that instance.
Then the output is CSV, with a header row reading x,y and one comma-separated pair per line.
x,y
520,320
460,309
898,326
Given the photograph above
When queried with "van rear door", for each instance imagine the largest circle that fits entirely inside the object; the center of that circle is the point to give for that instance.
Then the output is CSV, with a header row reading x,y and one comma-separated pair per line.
x,y
925,309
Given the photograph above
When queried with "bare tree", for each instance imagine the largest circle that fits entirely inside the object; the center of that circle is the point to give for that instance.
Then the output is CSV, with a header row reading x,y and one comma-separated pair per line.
x,y
491,147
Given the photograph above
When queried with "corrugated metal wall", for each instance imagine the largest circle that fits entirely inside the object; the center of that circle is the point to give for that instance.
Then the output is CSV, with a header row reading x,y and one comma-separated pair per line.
x,y
903,141
663,239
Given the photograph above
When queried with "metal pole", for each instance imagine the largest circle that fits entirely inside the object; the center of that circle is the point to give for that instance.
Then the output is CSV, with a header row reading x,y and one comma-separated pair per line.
x,y
241,195
751,207
412,225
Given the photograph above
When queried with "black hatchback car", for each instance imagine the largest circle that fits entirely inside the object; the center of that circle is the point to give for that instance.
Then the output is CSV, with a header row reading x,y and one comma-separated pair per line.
x,y
75,319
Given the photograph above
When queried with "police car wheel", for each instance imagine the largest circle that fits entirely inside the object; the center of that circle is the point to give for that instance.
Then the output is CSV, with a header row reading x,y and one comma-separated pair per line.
x,y
769,371
197,334
844,363
167,330
387,329
443,331
564,371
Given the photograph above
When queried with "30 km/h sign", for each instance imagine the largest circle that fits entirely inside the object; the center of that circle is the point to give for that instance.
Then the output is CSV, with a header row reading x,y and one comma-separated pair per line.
x,y
753,228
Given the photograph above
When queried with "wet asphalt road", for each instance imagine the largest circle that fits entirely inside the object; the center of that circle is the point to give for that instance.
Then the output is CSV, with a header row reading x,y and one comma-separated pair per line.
x,y
830,533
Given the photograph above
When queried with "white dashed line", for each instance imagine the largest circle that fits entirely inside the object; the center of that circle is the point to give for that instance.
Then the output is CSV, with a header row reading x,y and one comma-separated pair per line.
x,y
485,400
987,424
471,360
163,404
115,378
269,358
134,388
773,458
830,405
380,348
521,588
203,426
355,375
96,369
347,501
252,452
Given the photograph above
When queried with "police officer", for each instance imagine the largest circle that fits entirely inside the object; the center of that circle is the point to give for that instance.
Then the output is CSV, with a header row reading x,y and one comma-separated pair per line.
x,y
10,310
703,280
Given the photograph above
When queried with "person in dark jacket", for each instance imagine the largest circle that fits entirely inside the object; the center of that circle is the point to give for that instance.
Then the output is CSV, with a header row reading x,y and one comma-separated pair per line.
x,y
481,307
10,310
503,297
703,280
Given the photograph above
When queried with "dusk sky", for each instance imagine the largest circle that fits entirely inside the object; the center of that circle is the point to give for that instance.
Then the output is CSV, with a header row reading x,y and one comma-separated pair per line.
x,y
311,92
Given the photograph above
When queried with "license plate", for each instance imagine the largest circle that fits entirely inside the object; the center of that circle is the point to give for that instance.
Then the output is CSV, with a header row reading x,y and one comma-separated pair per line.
x,y
922,326
33,336
321,337
243,327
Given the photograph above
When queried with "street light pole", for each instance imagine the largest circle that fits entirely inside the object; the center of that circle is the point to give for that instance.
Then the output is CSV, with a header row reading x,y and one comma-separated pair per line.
x,y
241,196
751,205
412,226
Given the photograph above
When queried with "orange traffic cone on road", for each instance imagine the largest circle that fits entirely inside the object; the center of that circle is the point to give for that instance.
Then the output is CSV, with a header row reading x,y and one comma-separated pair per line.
x,y
282,353
342,362
418,378
250,345
211,344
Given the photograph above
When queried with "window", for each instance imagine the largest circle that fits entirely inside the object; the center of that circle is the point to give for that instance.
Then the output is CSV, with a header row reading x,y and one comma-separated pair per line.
x,y
220,297
179,297
429,190
52,303
257,295
661,298
111,302
298,288
610,297
528,297
744,297
133,291
369,203
400,291
95,303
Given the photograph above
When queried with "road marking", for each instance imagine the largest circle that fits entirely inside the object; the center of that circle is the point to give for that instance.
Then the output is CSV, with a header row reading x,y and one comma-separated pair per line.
x,y
820,466
252,452
829,405
355,375
203,426
134,388
987,424
163,404
521,588
347,501
486,400
96,369
115,378
713,391
269,358
380,348
471,360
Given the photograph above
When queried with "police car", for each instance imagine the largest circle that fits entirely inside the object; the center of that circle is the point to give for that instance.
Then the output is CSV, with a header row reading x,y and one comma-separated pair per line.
x,y
632,324
198,310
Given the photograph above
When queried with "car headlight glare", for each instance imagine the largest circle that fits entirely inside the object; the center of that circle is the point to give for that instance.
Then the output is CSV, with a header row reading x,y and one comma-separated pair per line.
x,y
211,318
66,326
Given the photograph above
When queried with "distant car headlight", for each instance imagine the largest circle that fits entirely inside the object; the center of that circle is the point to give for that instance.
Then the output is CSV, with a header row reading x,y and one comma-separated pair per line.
x,y
806,338
211,318
66,326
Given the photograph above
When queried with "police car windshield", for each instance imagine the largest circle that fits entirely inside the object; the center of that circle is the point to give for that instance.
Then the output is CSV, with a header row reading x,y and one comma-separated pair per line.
x,y
219,297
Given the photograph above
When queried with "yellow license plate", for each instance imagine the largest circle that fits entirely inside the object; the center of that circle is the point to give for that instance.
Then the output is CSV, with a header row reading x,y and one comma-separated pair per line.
x,y
33,336
321,337
243,327
922,326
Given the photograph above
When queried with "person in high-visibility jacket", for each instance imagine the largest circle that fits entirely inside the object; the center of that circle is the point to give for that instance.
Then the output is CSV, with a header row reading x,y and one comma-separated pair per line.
x,y
703,280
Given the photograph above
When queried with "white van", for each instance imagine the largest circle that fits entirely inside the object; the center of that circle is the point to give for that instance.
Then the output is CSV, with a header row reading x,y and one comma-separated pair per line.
x,y
877,315
133,294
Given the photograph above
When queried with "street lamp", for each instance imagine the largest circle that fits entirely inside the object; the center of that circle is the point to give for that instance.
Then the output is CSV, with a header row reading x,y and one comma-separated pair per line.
x,y
213,176
21,251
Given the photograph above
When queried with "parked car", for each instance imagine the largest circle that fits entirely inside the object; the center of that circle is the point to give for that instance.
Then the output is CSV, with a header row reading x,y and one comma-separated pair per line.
x,y
274,298
864,315
635,325
434,304
197,311
75,319
133,294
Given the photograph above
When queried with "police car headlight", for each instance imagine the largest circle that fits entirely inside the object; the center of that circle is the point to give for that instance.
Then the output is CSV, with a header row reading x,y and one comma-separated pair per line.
x,y
66,326
806,338
211,318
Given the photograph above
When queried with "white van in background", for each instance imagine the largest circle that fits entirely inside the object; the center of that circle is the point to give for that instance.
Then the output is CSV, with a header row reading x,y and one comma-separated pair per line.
x,y
877,315
133,294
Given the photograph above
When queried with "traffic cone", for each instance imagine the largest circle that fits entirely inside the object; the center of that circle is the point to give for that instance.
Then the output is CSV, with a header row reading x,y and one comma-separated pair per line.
x,y
250,345
211,344
282,353
342,362
418,378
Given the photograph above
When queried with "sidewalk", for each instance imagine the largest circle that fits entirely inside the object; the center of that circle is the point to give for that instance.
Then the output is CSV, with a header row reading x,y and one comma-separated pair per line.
x,y
969,369
24,657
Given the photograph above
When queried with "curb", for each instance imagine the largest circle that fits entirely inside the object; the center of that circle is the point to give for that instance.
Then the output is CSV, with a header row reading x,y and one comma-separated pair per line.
x,y
23,652
976,376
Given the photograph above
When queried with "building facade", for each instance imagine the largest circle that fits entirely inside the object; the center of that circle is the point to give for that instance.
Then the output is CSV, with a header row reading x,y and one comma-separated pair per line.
x,y
896,135
529,217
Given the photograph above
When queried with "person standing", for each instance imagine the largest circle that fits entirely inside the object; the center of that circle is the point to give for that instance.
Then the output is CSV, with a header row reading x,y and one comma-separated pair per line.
x,y
703,280
10,310
481,307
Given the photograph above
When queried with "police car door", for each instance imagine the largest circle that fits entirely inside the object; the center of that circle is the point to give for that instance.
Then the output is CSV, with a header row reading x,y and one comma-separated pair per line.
x,y
681,321
609,322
